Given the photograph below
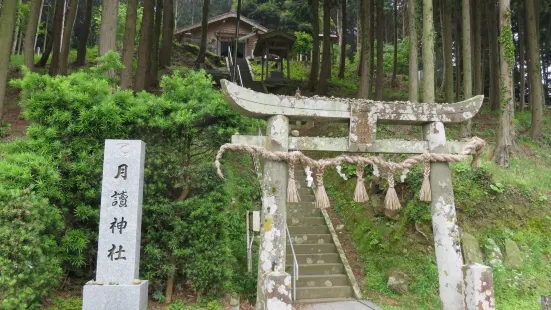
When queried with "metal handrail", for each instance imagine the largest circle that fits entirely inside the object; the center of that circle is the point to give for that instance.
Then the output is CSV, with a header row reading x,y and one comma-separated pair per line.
x,y
295,264
240,79
229,57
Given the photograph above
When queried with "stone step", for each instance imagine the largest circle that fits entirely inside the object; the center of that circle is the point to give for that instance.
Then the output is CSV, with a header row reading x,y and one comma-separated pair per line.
x,y
303,212
305,221
312,239
322,280
301,205
325,258
324,292
322,300
317,269
312,248
301,230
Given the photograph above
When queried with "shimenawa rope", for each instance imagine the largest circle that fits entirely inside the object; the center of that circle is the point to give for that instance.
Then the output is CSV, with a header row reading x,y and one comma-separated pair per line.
x,y
475,145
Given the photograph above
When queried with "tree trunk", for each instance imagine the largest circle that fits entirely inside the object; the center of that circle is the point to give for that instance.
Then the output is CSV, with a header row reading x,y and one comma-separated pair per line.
x,y
521,51
47,42
57,32
428,52
313,80
379,79
505,134
342,40
365,63
38,25
534,70
467,64
66,40
20,42
458,56
15,35
143,49
325,73
7,23
152,80
493,60
108,27
372,38
168,30
83,42
413,52
30,34
204,32
447,43
478,82
395,69
128,45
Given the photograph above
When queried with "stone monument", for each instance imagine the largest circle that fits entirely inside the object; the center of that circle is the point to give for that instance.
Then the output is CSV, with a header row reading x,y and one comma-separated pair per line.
x,y
118,258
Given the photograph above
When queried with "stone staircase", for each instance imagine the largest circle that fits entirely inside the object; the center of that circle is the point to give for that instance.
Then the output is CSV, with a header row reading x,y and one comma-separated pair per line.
x,y
322,274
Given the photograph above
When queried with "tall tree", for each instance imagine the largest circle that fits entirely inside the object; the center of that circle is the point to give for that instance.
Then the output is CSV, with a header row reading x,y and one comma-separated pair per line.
x,y
48,38
413,52
458,54
502,152
365,59
128,43
428,52
17,29
467,64
325,73
521,51
313,79
204,33
477,47
342,39
7,23
57,33
379,78
108,27
372,38
168,30
447,42
85,33
395,69
30,34
66,39
143,48
534,70
153,69
493,60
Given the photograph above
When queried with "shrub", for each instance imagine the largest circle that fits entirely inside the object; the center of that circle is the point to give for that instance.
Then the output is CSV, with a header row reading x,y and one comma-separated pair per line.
x,y
72,115
28,248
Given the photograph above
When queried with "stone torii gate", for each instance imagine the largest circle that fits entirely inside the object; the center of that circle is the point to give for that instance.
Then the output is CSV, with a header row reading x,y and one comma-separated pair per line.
x,y
363,117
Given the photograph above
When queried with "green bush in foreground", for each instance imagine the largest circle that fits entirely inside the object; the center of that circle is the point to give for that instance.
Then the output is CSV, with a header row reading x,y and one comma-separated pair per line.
x,y
72,115
28,249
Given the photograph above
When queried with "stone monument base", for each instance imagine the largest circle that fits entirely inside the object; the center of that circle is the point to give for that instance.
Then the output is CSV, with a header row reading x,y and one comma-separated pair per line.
x,y
108,297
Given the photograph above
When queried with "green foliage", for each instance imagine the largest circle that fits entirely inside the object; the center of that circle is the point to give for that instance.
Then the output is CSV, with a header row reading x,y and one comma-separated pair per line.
x,y
185,208
66,304
4,129
303,44
28,249
497,187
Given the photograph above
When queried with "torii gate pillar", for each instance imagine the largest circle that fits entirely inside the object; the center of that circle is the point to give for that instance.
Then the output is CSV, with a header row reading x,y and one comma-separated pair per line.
x,y
447,245
273,235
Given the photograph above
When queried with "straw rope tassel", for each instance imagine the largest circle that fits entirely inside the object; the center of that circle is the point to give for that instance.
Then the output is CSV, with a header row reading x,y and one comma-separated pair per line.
x,y
360,194
426,192
322,201
391,200
292,192
477,162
